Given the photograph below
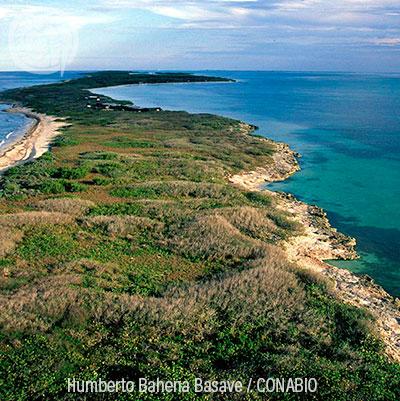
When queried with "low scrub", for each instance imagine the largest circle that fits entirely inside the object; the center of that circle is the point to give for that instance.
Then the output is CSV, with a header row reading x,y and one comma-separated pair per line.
x,y
72,206
37,307
38,218
99,155
251,221
9,238
123,226
214,238
175,189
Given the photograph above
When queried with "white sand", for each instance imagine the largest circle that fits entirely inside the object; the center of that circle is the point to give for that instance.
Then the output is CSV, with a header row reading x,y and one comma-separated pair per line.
x,y
34,143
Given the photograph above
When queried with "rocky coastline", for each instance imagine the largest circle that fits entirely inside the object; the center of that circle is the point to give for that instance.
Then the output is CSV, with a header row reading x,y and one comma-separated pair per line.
x,y
320,242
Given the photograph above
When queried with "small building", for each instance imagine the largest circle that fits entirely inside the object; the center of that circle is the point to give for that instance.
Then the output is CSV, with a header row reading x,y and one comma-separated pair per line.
x,y
124,107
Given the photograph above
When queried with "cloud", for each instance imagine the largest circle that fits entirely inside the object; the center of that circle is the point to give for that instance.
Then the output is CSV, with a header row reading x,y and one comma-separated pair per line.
x,y
237,27
192,11
44,38
186,12
74,18
244,13
330,23
3,12
387,42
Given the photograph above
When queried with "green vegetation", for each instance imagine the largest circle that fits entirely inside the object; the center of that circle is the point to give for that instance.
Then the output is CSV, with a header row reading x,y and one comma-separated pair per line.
x,y
69,99
125,253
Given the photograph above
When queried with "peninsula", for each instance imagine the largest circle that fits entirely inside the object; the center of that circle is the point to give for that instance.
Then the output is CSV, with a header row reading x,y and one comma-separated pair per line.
x,y
140,246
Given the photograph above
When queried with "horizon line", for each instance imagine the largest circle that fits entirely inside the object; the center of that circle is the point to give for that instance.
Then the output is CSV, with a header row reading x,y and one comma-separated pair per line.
x,y
199,70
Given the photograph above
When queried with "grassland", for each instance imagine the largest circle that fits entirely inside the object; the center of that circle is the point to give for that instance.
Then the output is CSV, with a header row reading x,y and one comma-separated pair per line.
x,y
125,253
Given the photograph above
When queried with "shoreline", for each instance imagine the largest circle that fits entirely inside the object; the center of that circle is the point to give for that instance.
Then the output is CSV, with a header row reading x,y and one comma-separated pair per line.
x,y
34,142
320,242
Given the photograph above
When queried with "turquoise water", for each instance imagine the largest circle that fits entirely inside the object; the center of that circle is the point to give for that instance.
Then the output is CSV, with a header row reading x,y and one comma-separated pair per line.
x,y
13,126
347,128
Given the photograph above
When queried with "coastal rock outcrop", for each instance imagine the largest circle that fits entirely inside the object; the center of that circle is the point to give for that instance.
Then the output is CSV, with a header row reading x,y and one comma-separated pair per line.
x,y
320,242
284,164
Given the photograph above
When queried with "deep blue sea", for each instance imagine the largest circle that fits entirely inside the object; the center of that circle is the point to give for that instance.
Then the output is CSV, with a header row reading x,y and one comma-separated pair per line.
x,y
12,126
347,128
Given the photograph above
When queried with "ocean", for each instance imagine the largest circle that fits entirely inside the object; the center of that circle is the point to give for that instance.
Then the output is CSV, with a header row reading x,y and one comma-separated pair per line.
x,y
13,126
347,129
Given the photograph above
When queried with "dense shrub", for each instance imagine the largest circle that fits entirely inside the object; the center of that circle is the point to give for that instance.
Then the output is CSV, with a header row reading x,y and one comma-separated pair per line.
x,y
71,173
52,187
101,181
109,169
72,186
260,198
59,186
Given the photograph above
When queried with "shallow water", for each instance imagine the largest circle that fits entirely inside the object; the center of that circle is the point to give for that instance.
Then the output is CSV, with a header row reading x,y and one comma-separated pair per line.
x,y
347,128
13,126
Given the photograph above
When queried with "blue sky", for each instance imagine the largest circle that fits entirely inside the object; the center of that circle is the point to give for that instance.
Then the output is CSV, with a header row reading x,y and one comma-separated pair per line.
x,y
345,35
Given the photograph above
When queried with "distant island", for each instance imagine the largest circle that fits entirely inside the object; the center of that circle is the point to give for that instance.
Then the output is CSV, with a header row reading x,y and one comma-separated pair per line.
x,y
140,245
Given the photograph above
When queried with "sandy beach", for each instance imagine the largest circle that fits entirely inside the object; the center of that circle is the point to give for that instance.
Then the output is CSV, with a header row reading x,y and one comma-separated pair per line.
x,y
34,143
320,242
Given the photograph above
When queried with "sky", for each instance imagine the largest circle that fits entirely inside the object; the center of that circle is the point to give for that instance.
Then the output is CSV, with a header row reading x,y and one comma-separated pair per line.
x,y
307,35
